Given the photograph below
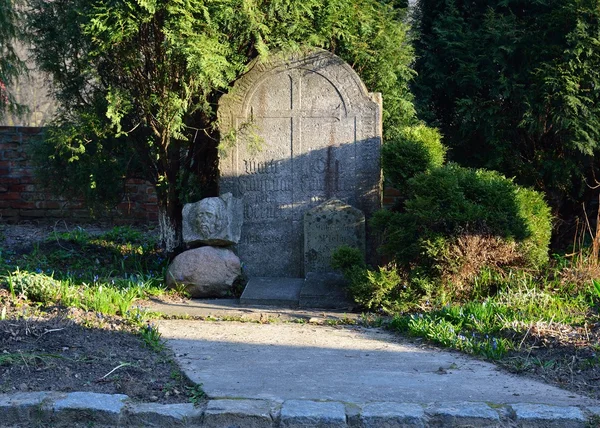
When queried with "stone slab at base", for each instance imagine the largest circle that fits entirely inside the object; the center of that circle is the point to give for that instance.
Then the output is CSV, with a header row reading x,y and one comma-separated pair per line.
x,y
272,291
324,291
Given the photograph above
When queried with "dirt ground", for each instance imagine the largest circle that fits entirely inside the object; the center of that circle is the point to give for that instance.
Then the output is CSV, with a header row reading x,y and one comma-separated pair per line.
x,y
68,350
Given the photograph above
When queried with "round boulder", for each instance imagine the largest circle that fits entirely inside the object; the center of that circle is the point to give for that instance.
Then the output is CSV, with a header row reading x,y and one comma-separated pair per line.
x,y
205,271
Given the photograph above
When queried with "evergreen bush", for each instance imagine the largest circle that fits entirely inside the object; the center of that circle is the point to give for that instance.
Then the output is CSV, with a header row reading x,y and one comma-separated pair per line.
x,y
413,150
452,202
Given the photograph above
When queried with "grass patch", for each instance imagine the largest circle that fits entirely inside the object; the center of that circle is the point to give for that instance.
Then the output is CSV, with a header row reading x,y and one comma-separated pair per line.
x,y
499,323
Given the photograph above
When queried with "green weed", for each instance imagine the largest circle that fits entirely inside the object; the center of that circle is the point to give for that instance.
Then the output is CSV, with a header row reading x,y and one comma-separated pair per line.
x,y
152,337
196,394
25,359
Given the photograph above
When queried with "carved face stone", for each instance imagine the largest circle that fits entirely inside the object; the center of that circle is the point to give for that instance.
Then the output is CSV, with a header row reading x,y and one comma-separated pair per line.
x,y
210,218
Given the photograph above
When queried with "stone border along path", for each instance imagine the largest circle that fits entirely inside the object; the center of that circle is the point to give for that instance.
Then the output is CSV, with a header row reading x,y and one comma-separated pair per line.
x,y
92,409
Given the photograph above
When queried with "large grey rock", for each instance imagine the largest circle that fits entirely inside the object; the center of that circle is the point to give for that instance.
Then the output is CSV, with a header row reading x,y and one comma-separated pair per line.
x,y
326,228
213,221
301,130
205,271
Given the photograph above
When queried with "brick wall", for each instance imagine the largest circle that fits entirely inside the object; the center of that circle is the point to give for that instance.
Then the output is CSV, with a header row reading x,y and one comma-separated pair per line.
x,y
22,198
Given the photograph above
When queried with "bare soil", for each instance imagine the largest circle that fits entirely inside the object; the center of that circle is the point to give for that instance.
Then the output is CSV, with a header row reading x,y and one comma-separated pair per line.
x,y
61,349
565,356
68,349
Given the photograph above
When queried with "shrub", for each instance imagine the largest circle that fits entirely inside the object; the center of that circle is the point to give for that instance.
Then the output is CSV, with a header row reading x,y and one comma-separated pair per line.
x,y
452,201
416,149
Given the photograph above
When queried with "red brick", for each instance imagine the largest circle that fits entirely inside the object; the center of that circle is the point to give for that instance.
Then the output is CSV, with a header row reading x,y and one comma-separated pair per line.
x,y
5,145
9,180
33,213
22,205
48,205
31,130
14,155
27,180
12,196
22,188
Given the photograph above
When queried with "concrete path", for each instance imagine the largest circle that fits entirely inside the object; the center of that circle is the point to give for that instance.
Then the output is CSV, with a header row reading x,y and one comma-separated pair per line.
x,y
290,361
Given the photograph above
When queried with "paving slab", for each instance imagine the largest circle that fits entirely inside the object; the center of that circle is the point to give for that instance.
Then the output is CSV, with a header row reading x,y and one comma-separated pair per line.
x,y
272,291
312,414
543,416
289,361
239,413
233,309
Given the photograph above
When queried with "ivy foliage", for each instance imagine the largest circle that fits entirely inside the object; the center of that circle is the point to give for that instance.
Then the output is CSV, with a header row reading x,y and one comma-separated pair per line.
x,y
514,85
139,80
11,66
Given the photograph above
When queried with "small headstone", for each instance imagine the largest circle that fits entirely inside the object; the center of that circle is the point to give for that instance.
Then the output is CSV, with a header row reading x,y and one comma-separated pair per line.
x,y
213,221
205,271
326,228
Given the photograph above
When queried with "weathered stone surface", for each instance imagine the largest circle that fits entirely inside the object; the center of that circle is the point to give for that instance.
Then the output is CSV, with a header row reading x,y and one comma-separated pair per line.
x,y
213,221
392,415
464,414
309,414
272,291
206,271
89,407
22,406
162,415
239,413
326,228
541,415
319,134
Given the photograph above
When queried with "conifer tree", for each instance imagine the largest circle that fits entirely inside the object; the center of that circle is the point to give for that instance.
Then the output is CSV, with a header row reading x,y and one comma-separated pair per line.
x,y
515,86
138,82
11,66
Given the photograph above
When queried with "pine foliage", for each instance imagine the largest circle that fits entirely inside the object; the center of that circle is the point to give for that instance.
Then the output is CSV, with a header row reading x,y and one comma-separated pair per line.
x,y
514,85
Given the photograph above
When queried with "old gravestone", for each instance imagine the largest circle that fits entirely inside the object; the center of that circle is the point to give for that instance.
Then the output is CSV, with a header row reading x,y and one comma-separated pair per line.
x,y
299,130
326,228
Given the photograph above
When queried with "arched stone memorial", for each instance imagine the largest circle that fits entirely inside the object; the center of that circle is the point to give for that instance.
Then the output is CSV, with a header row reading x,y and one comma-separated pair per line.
x,y
297,131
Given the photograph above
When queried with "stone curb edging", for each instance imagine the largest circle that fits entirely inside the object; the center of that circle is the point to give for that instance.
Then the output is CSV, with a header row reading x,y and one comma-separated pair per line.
x,y
85,408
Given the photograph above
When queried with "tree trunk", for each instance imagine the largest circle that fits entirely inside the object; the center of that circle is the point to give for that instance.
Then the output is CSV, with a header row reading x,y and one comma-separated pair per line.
x,y
169,223
170,219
